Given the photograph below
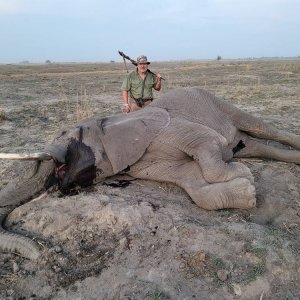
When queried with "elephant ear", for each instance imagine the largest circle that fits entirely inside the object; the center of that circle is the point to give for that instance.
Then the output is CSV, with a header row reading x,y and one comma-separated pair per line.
x,y
125,137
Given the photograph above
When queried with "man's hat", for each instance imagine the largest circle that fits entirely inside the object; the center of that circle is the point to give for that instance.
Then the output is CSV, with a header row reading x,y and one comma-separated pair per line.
x,y
142,59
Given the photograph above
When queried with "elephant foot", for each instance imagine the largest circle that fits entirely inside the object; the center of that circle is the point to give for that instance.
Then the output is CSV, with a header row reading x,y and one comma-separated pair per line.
x,y
240,193
241,171
237,193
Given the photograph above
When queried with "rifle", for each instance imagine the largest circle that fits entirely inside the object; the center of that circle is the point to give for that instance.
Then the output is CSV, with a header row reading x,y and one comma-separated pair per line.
x,y
133,62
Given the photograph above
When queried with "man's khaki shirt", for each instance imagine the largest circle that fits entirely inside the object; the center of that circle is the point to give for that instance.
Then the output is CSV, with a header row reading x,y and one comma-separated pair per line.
x,y
134,84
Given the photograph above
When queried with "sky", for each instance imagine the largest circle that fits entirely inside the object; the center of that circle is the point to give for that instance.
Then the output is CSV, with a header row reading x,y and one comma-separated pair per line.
x,y
94,30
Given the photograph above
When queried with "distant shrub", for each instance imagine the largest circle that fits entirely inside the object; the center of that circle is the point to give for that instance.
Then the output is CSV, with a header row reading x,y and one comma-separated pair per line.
x,y
2,115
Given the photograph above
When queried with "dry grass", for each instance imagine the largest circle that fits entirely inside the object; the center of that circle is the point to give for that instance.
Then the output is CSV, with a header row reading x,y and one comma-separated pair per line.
x,y
83,105
40,99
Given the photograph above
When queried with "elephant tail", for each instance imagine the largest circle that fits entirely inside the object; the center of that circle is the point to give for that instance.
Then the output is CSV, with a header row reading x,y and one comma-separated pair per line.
x,y
11,242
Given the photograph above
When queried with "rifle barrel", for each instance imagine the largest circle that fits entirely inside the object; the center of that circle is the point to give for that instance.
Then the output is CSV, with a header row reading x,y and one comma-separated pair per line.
x,y
134,62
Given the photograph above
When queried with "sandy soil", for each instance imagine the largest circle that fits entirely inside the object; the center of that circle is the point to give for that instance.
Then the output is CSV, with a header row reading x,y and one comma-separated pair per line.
x,y
148,240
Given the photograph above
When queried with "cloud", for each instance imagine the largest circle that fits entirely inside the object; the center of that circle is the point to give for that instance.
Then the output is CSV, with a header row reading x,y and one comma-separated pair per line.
x,y
199,13
257,15
10,7
47,7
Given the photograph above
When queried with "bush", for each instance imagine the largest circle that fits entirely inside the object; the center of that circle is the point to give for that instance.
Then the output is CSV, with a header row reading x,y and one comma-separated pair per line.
x,y
2,115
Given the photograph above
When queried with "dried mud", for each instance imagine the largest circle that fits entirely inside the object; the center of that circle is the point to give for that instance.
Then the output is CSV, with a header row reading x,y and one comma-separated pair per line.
x,y
147,240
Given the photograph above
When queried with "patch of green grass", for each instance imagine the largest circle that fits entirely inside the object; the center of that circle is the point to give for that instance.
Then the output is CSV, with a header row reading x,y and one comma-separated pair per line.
x,y
275,232
274,243
216,262
295,247
249,274
156,295
257,251
225,213
246,273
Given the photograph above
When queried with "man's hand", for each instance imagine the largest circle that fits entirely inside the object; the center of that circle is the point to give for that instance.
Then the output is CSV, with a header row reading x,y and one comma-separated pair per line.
x,y
126,108
158,82
125,99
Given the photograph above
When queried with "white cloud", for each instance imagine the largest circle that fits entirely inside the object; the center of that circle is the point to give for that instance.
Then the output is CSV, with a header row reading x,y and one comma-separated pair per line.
x,y
10,7
256,14
48,7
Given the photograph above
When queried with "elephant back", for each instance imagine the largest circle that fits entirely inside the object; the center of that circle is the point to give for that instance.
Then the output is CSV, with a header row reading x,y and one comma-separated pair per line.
x,y
199,106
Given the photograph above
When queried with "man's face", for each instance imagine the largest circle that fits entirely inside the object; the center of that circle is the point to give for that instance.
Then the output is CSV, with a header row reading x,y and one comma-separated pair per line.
x,y
142,67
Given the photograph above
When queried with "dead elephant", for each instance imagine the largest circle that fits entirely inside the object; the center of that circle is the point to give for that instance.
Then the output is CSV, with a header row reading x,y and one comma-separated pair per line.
x,y
187,137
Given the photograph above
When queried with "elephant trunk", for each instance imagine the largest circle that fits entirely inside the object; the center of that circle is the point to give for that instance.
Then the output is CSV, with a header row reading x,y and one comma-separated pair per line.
x,y
11,242
15,195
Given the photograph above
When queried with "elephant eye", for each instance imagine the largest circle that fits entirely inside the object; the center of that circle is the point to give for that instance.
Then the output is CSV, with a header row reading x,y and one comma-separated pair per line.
x,y
99,172
102,155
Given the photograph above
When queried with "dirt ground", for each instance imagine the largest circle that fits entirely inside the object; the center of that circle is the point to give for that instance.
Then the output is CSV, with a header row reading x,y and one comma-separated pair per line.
x,y
148,240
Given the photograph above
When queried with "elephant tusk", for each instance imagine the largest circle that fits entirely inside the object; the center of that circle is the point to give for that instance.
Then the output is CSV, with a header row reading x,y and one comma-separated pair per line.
x,y
26,156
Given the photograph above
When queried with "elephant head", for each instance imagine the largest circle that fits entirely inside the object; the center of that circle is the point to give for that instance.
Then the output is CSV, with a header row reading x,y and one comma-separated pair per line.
x,y
80,155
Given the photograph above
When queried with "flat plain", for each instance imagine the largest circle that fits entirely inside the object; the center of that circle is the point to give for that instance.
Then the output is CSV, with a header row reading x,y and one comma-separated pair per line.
x,y
148,240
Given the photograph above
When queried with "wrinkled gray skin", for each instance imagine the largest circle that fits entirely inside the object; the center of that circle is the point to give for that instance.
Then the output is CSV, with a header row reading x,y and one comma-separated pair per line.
x,y
186,137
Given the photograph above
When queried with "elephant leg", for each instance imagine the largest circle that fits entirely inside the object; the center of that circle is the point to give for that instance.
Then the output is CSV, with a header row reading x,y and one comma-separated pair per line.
x,y
215,169
281,136
206,147
256,127
236,193
254,148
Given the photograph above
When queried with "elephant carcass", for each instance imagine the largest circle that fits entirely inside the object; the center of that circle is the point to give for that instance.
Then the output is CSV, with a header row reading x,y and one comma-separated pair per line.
x,y
187,137
81,155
